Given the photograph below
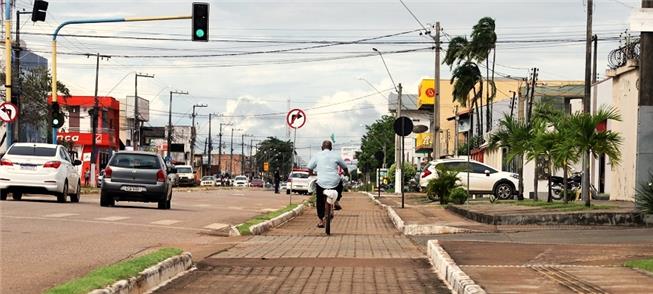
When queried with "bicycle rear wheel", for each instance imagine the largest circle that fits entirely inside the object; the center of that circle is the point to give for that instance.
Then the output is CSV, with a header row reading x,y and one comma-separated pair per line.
x,y
328,215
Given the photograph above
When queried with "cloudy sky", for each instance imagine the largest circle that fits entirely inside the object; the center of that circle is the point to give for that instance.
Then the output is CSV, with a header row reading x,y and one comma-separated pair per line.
x,y
262,56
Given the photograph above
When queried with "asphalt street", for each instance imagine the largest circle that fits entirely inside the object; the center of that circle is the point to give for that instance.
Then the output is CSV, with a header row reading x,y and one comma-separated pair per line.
x,y
45,243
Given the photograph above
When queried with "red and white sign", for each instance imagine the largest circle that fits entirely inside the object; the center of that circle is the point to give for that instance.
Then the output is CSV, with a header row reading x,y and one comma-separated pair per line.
x,y
8,112
430,92
84,138
296,118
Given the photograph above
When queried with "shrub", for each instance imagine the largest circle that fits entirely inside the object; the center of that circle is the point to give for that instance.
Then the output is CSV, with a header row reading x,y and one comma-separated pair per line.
x,y
440,187
644,197
458,195
409,171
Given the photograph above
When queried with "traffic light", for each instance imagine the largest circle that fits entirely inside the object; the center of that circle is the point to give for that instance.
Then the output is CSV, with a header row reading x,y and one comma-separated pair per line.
x,y
200,21
57,116
39,9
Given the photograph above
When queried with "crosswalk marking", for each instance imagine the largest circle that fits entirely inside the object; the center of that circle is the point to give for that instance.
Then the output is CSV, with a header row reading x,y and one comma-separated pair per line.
x,y
113,218
61,214
216,226
165,222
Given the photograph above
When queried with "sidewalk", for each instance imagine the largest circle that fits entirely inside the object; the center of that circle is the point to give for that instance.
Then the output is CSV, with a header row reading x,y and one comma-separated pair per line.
x,y
364,254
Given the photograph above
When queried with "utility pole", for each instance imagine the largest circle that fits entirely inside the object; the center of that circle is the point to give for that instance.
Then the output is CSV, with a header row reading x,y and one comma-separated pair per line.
x,y
194,134
436,103
95,116
8,75
586,99
210,146
231,157
17,89
644,153
168,157
220,145
455,133
136,133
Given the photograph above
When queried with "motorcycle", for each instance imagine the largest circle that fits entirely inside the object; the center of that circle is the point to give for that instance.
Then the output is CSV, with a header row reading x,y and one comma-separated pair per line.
x,y
574,185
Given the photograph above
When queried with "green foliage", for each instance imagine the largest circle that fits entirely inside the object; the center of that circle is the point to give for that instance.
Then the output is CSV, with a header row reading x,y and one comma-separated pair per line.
x,y
588,139
278,153
644,264
458,195
409,171
380,137
644,196
244,227
440,187
108,275
476,142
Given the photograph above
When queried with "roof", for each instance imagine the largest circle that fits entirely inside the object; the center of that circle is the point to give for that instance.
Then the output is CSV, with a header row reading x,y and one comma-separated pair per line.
x,y
408,102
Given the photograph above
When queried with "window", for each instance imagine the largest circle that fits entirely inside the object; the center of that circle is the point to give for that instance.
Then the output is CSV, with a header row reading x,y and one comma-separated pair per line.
x,y
33,151
184,170
300,175
64,155
138,161
480,169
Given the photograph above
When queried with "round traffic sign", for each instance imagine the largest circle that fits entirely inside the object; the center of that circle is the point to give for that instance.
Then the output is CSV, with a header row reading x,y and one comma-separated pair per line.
x,y
296,118
403,126
430,92
8,112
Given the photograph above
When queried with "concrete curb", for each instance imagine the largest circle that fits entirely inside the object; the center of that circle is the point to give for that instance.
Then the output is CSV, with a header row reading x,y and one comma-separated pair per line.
x,y
448,270
265,226
152,277
570,218
415,229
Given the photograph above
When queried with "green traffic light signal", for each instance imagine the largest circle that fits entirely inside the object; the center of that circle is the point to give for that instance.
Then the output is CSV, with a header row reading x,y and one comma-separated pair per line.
x,y
200,21
199,33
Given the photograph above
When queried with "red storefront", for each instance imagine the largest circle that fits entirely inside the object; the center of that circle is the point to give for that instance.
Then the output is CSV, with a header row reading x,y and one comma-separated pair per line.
x,y
78,129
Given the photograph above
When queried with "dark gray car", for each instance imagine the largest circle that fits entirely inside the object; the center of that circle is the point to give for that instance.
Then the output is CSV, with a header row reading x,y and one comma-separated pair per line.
x,y
136,176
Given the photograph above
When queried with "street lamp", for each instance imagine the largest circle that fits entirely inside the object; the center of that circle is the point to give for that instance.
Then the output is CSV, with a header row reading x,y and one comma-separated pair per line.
x,y
168,157
231,157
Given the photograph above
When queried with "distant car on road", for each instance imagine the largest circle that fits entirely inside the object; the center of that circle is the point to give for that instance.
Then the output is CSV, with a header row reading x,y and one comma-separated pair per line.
x,y
39,169
241,181
298,182
186,175
174,177
258,183
136,176
208,181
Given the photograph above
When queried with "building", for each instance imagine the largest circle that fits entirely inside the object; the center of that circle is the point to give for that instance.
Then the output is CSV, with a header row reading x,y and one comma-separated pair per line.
x,y
180,147
127,118
77,130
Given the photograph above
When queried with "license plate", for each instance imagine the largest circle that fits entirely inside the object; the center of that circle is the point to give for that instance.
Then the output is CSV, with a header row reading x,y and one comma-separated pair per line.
x,y
132,189
28,167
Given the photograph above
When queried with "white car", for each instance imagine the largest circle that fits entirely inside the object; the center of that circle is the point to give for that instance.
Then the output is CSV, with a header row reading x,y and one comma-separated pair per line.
x,y
483,179
298,182
241,181
186,175
207,181
38,168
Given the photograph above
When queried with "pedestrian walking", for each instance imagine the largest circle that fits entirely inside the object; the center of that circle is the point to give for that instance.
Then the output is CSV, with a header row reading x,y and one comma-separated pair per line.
x,y
277,181
87,177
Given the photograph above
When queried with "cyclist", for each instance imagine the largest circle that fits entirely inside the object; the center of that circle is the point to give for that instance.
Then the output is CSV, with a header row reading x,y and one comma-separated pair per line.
x,y
326,165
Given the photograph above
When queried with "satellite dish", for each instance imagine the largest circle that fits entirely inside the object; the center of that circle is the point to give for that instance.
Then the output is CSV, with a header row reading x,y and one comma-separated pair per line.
x,y
420,129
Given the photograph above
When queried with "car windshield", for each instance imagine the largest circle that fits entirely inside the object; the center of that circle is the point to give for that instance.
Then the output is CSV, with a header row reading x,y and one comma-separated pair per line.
x,y
33,151
207,178
138,161
184,170
241,178
300,175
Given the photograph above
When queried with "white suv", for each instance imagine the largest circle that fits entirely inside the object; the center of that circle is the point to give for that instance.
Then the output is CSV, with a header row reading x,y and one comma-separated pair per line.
x,y
298,181
40,169
483,179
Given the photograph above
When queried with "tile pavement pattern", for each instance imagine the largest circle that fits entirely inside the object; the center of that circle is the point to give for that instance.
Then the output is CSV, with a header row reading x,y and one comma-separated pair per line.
x,y
364,254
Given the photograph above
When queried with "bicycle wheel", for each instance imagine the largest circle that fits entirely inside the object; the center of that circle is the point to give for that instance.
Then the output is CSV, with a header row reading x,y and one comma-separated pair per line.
x,y
328,214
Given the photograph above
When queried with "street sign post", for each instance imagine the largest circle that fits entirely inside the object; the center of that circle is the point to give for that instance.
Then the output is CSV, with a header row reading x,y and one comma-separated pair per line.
x,y
403,127
8,112
296,118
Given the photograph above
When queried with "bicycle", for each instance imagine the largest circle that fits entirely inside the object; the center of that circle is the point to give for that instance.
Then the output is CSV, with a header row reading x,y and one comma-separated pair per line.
x,y
331,197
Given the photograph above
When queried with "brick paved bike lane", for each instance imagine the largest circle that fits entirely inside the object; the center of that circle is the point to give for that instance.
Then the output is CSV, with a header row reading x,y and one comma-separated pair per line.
x,y
364,254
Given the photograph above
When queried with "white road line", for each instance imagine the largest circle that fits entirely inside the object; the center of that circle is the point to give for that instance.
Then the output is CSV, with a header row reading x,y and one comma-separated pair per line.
x,y
165,222
236,207
113,218
202,205
61,214
238,194
216,226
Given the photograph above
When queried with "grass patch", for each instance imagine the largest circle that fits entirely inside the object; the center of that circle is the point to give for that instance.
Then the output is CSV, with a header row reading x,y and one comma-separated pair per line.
x,y
89,190
644,264
108,275
559,206
244,227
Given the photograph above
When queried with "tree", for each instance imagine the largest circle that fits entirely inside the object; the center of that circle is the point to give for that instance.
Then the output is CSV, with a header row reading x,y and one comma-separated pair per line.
x,y
484,39
516,136
277,153
590,140
408,172
378,138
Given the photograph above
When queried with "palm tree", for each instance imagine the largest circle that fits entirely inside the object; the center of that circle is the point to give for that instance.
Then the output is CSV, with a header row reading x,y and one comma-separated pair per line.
x,y
565,151
515,135
589,140
483,41
464,79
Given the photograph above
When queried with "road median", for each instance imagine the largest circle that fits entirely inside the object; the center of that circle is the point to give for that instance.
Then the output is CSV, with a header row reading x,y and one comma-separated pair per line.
x,y
265,222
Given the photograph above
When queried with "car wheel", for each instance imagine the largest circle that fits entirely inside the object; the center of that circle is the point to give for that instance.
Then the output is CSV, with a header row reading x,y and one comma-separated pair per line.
x,y
503,191
17,195
3,195
61,198
74,198
163,204
106,200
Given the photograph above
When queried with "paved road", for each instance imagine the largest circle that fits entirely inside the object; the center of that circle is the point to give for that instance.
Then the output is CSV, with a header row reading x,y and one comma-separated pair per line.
x,y
364,254
44,242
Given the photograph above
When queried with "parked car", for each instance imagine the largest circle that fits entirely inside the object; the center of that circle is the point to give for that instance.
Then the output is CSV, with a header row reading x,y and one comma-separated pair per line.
x,y
258,183
208,181
174,177
186,175
298,182
136,176
483,179
241,181
38,168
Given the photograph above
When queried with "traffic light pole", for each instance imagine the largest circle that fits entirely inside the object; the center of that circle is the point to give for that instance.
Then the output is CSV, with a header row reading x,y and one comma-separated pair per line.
x,y
94,118
54,46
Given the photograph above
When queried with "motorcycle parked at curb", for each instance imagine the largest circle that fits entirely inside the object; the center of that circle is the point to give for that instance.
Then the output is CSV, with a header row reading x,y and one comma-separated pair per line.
x,y
574,186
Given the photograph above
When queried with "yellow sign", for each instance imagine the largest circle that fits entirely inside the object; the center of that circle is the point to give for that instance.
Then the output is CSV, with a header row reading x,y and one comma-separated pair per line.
x,y
426,96
266,166
423,142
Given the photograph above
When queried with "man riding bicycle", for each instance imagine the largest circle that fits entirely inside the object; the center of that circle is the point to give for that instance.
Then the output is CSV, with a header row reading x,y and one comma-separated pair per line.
x,y
326,165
